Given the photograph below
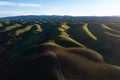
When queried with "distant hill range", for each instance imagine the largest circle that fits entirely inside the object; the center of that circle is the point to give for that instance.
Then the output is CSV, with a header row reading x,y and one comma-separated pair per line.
x,y
57,17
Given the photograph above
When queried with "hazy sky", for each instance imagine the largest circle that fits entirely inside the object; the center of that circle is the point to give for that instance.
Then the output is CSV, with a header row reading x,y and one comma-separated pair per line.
x,y
60,7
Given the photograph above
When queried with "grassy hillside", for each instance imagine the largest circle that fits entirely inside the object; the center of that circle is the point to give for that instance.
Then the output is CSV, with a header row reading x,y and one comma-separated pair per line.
x,y
59,48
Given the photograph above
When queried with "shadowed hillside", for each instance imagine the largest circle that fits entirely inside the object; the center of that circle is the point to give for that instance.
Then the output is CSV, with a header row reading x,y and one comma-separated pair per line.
x,y
59,48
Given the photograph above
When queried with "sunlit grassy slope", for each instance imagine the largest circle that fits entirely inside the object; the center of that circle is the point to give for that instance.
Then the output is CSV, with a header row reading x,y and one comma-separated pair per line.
x,y
27,28
18,32
108,28
1,25
7,22
112,34
12,27
59,49
39,29
59,63
85,28
66,37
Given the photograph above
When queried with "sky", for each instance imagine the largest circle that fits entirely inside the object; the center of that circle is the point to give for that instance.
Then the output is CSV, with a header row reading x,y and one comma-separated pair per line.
x,y
60,7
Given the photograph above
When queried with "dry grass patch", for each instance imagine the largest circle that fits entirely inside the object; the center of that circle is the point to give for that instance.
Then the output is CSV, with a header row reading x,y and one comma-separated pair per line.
x,y
12,27
69,39
18,32
106,27
64,33
7,22
1,24
112,34
51,43
85,28
39,29
64,36
63,27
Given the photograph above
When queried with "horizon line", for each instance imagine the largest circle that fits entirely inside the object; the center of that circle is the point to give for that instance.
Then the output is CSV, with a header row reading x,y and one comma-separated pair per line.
x,y
66,15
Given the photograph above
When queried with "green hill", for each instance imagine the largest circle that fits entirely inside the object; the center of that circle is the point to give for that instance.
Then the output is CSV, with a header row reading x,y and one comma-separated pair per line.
x,y
59,48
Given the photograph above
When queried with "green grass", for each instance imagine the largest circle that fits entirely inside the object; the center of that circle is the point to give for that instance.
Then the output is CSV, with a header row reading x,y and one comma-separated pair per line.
x,y
54,44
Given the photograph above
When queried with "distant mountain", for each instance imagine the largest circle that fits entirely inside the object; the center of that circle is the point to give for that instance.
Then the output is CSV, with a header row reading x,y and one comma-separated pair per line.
x,y
35,17
57,17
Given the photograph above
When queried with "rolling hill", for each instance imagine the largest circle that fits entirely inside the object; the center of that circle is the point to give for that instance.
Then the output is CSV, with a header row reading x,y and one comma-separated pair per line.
x,y
59,48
